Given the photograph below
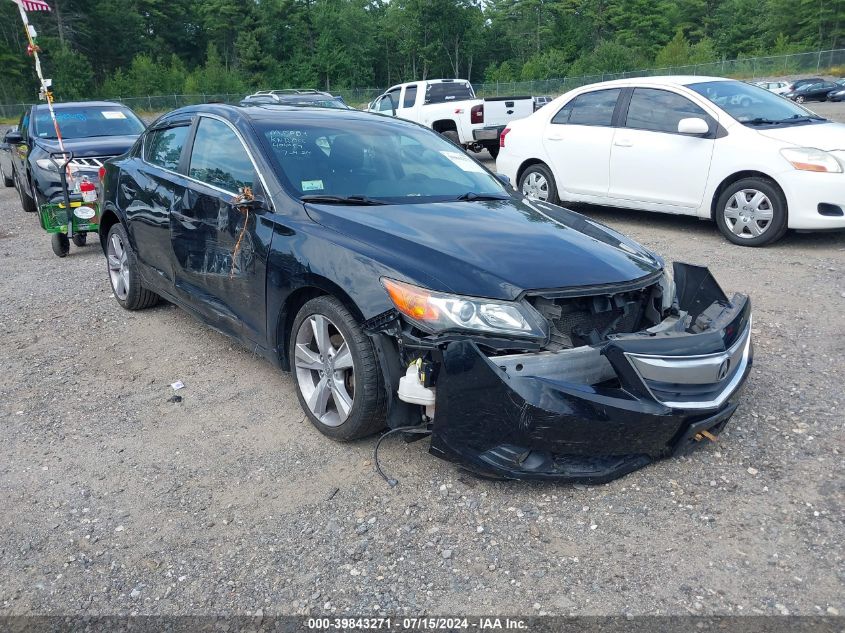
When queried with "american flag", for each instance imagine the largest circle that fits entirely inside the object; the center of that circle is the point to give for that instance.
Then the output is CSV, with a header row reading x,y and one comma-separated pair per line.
x,y
34,5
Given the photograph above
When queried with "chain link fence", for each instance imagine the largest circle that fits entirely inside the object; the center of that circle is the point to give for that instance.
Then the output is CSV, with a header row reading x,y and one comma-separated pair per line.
x,y
752,68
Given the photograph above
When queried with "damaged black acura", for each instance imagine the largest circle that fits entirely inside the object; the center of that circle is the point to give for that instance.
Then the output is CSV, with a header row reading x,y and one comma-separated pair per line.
x,y
406,286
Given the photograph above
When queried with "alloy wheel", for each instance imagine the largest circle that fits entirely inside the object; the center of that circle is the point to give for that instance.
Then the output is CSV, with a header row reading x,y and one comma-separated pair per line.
x,y
536,186
324,370
749,213
118,266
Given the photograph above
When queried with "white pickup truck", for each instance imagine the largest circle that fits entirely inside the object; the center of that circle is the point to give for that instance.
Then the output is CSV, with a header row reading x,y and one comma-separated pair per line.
x,y
449,106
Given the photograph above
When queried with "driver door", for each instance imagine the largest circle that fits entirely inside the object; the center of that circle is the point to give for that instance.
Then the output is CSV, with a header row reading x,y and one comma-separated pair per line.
x,y
220,247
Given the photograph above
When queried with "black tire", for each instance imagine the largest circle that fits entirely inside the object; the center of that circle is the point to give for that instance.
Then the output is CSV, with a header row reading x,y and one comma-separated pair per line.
x,y
7,182
367,415
544,172
773,230
80,239
60,243
494,151
452,135
27,203
138,297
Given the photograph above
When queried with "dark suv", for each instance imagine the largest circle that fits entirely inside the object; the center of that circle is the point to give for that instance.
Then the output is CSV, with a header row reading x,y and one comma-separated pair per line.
x,y
92,130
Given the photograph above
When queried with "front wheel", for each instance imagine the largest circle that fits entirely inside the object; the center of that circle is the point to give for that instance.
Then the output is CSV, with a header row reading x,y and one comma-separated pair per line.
x,y
7,182
27,203
338,378
122,262
752,212
800,99
538,183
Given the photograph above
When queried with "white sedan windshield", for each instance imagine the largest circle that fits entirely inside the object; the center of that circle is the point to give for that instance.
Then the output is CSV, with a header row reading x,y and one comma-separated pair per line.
x,y
752,104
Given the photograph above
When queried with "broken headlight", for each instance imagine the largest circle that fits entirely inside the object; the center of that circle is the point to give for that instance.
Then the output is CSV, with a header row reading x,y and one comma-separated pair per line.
x,y
438,312
667,287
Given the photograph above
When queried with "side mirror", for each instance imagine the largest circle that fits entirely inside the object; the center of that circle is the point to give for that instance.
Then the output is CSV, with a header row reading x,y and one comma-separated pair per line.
x,y
505,180
693,127
13,137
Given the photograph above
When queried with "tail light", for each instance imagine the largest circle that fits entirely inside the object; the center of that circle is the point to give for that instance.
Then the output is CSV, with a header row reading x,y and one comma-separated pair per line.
x,y
476,115
502,136
101,173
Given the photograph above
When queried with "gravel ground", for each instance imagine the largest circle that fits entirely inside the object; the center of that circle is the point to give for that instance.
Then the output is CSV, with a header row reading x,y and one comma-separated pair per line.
x,y
116,501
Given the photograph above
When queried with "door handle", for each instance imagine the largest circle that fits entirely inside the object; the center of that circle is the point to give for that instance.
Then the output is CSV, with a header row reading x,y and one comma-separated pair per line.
x,y
554,138
623,143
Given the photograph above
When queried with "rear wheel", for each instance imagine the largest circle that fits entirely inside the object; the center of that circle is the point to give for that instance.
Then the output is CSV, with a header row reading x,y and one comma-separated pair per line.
x,y
338,378
752,212
80,239
126,283
494,151
538,183
452,135
800,99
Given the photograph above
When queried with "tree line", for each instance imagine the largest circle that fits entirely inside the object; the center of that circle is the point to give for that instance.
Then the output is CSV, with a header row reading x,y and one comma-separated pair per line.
x,y
114,48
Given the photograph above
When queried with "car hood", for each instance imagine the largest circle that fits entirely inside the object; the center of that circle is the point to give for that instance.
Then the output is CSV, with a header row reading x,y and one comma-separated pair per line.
x,y
826,136
94,146
496,249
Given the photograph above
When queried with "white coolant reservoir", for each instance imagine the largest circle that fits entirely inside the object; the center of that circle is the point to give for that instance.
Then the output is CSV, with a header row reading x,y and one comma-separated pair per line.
x,y
412,391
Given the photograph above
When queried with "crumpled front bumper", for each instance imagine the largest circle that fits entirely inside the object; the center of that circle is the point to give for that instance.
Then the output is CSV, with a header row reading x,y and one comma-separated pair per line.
x,y
649,395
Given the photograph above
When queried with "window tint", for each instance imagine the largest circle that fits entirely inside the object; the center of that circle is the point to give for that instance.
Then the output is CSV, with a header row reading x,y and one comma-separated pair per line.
x,y
447,91
660,110
591,108
164,147
218,157
410,97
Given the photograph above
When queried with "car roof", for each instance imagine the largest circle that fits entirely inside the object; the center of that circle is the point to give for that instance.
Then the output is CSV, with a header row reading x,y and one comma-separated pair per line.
x,y
77,104
273,111
661,80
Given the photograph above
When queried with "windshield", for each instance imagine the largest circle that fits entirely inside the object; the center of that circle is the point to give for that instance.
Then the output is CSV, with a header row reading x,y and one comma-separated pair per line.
x,y
87,122
374,159
750,104
315,103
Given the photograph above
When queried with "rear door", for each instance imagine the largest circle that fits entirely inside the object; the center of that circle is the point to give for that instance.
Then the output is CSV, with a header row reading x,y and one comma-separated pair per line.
x,y
651,164
220,262
149,190
577,140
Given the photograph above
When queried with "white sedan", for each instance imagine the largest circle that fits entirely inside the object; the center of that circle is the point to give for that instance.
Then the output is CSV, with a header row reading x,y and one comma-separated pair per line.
x,y
714,148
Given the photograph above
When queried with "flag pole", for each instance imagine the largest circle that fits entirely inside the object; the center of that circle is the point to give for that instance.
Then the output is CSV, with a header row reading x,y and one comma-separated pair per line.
x,y
45,89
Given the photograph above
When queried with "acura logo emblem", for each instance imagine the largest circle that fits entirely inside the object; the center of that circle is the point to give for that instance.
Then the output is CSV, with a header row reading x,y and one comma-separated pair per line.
x,y
724,368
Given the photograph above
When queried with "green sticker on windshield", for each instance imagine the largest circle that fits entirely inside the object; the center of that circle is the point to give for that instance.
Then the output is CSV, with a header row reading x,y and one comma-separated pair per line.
x,y
312,185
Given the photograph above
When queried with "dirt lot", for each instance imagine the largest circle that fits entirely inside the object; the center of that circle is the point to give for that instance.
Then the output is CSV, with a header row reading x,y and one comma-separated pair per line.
x,y
116,501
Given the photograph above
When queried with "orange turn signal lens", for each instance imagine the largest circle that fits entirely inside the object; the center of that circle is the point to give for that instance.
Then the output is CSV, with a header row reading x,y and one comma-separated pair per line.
x,y
411,301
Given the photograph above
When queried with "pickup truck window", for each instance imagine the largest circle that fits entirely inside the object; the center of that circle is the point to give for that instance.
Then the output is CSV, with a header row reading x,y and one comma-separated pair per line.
x,y
388,163
590,108
410,97
447,91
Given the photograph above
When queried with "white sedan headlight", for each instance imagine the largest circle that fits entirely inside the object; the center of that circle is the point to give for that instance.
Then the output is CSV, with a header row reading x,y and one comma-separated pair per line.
x,y
812,159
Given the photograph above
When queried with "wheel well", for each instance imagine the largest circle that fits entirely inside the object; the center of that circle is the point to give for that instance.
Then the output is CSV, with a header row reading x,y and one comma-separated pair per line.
x,y
108,220
444,125
293,304
740,175
526,165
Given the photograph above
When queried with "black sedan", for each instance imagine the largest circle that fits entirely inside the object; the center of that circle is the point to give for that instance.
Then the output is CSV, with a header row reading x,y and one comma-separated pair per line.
x,y
406,286
838,93
812,92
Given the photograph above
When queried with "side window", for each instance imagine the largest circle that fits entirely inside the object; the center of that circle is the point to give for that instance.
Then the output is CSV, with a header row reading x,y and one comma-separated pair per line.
x,y
219,158
394,96
590,108
164,147
410,97
385,104
24,126
660,110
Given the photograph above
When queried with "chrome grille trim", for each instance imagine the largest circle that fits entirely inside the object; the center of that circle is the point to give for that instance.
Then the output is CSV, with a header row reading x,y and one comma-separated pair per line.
x,y
91,162
696,370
